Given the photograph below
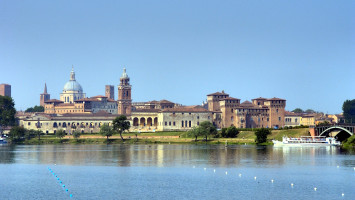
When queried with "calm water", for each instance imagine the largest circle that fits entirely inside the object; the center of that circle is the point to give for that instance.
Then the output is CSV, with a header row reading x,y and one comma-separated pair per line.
x,y
175,172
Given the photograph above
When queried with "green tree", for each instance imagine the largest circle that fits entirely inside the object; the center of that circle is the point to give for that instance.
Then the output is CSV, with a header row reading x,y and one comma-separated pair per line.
x,y
349,111
298,110
261,135
7,112
76,134
232,132
309,111
194,132
60,134
38,133
106,130
120,124
29,134
17,133
35,109
207,129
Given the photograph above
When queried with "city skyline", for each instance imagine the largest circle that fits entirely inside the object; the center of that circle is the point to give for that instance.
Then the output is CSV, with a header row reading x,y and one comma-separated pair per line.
x,y
182,51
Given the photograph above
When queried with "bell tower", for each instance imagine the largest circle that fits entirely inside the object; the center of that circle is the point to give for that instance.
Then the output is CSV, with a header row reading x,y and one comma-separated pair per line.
x,y
44,96
124,100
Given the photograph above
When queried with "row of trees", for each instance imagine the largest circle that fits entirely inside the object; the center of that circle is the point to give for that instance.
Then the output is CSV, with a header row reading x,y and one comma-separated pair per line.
x,y
35,109
206,129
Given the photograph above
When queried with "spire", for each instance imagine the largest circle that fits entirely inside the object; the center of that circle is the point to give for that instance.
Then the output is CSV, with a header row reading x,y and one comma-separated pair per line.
x,y
72,74
45,88
124,74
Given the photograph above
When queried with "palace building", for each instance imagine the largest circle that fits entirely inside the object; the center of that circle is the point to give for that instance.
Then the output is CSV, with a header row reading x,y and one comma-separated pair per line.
x,y
260,113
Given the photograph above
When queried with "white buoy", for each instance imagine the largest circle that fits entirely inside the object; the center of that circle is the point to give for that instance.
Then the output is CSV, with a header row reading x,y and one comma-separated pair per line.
x,y
193,166
226,173
272,180
315,189
337,166
214,170
204,169
254,177
240,175
354,168
342,194
291,184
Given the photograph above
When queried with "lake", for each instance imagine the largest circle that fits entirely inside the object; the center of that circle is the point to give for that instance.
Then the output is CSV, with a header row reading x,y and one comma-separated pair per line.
x,y
171,171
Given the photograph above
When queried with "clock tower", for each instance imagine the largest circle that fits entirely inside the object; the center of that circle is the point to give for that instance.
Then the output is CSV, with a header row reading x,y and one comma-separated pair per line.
x,y
124,100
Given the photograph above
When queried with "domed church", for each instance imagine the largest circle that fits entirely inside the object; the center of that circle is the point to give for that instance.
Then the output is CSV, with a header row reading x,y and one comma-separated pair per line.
x,y
72,90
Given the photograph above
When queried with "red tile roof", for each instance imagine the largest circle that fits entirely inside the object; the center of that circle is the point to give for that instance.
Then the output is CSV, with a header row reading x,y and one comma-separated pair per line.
x,y
54,101
186,109
218,93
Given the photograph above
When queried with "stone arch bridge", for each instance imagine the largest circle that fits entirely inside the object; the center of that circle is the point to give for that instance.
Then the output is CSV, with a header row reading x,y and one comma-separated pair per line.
x,y
343,131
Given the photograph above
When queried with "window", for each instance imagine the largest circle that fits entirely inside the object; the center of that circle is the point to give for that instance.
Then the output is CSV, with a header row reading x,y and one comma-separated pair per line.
x,y
182,113
295,120
189,123
189,113
173,123
267,119
277,110
279,118
182,123
198,123
186,123
29,123
198,117
166,123
209,117
232,110
169,123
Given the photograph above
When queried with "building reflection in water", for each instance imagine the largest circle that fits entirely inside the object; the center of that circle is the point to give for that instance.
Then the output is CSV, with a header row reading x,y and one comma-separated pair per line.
x,y
162,155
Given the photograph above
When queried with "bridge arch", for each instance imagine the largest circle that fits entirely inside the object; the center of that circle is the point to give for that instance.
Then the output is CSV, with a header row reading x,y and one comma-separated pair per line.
x,y
335,128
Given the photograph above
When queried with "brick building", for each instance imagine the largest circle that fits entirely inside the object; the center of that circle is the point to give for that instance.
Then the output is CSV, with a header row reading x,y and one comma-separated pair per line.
x,y
5,90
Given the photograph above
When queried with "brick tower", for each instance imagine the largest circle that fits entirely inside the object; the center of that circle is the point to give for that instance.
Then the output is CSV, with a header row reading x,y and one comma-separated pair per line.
x,y
110,92
124,100
45,96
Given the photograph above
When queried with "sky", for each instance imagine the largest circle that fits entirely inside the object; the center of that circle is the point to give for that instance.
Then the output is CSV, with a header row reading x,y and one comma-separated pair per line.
x,y
182,50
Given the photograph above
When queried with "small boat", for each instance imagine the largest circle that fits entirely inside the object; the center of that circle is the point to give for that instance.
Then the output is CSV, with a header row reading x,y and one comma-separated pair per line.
x,y
307,141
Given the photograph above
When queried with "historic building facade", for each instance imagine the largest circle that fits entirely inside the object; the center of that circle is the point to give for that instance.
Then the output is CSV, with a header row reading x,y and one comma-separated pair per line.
x,y
261,112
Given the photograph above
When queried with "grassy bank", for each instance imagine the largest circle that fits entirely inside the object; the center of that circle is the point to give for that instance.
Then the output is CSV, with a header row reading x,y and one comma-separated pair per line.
x,y
244,137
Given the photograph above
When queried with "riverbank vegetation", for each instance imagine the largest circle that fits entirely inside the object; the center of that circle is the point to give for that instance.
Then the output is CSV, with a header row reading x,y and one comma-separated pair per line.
x,y
237,137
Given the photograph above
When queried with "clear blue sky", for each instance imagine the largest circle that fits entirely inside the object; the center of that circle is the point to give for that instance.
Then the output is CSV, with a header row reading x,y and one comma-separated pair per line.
x,y
182,50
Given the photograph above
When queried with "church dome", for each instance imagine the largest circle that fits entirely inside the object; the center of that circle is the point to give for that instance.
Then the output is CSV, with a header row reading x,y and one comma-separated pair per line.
x,y
72,85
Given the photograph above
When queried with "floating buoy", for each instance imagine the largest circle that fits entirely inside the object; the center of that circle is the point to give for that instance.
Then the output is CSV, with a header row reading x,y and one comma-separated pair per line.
x,y
315,189
71,195
214,170
342,194
354,168
291,184
66,190
240,175
63,185
337,166
193,166
204,168
254,177
272,180
60,182
226,173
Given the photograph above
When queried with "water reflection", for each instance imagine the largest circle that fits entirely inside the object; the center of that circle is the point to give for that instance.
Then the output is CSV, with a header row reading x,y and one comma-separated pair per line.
x,y
171,155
